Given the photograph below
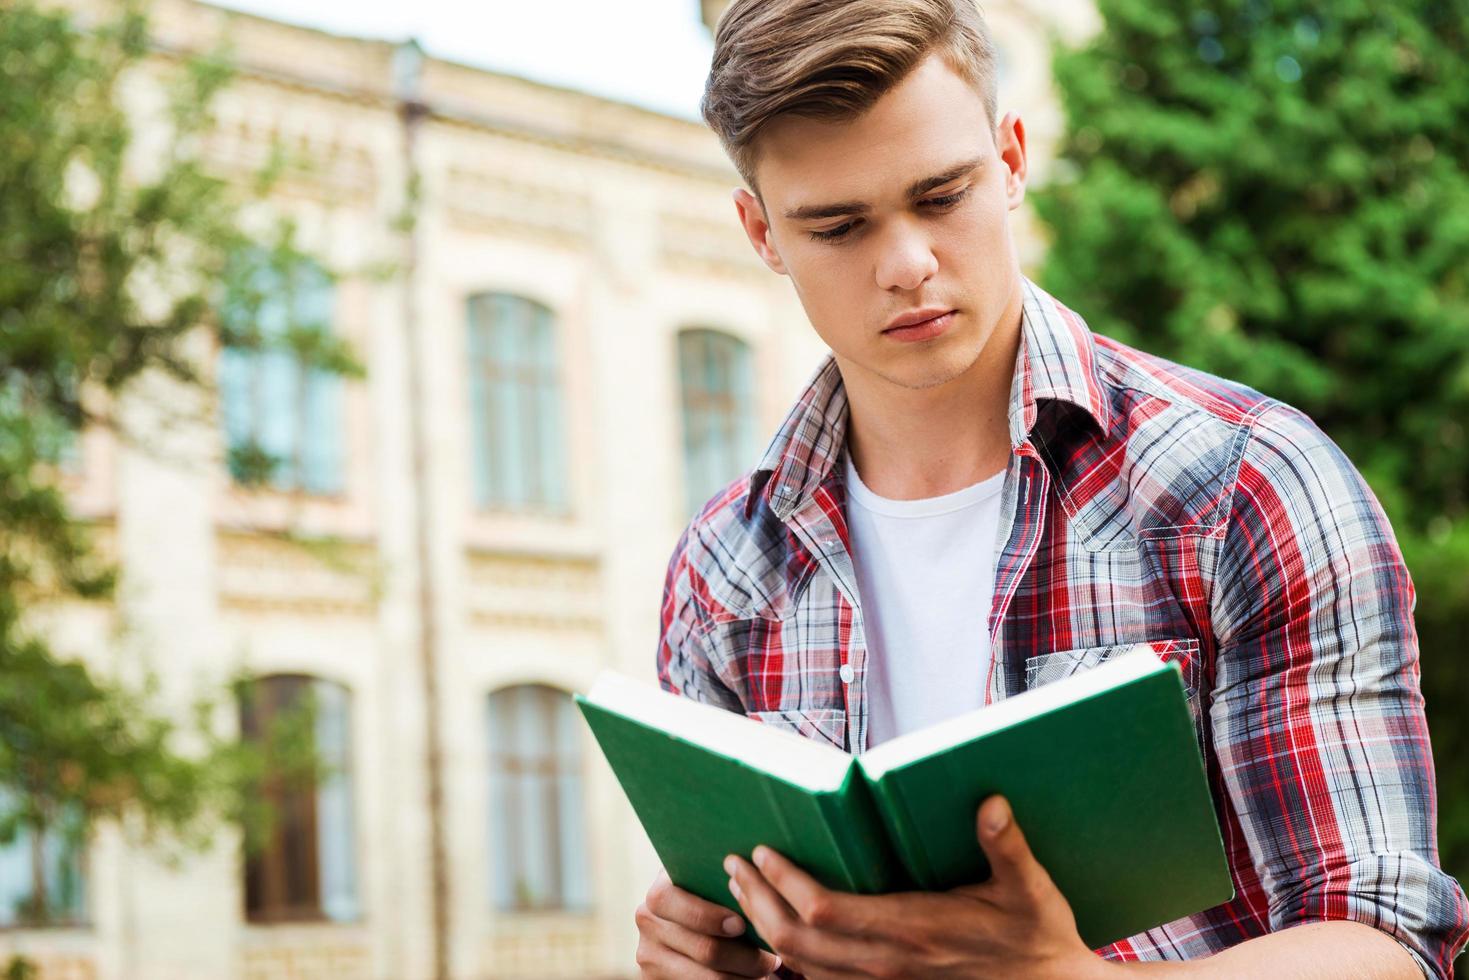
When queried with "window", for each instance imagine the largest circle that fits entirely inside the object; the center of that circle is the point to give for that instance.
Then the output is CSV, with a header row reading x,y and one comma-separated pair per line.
x,y
718,412
281,417
41,880
537,829
307,869
515,405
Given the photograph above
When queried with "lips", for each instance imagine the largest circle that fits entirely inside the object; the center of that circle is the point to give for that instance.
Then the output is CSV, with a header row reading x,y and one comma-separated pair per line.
x,y
916,326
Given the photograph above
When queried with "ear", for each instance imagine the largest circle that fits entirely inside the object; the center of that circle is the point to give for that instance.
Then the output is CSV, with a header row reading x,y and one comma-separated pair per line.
x,y
757,229
1010,141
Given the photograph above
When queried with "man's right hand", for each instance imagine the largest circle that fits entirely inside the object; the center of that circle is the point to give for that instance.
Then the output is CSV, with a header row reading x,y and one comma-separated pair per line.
x,y
682,936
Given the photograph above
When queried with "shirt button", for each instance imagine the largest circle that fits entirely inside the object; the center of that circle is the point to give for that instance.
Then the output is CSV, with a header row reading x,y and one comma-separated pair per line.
x,y
847,673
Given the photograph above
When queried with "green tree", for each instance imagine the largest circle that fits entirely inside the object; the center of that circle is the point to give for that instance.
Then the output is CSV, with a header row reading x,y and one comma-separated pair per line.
x,y
1278,192
109,266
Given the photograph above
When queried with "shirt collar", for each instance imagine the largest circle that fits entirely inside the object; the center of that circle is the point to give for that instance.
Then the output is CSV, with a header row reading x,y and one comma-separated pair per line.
x,y
1056,363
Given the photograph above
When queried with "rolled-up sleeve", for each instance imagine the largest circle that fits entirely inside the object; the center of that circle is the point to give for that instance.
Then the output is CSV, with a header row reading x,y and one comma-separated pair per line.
x,y
1317,711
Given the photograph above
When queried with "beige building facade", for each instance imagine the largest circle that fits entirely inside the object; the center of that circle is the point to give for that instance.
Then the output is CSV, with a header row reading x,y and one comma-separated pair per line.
x,y
607,234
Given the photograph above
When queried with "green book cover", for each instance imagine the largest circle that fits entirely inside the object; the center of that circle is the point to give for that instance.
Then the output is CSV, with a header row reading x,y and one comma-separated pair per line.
x,y
1102,769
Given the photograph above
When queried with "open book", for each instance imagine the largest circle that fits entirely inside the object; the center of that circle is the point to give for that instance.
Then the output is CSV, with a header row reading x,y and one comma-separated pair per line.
x,y
1102,769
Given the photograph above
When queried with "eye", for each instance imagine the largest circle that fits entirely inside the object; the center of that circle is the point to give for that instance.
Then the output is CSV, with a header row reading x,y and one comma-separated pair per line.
x,y
833,234
948,200
933,203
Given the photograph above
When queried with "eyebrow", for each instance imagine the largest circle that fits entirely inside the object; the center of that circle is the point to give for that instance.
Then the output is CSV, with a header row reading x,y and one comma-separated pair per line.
x,y
918,188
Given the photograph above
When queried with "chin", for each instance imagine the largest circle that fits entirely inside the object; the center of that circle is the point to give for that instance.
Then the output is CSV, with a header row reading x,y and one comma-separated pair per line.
x,y
930,371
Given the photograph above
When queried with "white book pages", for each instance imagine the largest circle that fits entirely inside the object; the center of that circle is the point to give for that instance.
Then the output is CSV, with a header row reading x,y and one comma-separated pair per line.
x,y
1136,663
785,755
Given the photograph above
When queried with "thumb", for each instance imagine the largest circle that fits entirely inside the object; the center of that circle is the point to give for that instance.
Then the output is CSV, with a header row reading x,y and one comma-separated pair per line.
x,y
1005,846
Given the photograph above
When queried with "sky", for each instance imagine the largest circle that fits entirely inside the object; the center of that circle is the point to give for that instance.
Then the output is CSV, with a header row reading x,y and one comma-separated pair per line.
x,y
653,53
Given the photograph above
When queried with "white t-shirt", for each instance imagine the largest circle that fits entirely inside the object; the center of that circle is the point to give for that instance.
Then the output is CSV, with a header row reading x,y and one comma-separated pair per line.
x,y
925,578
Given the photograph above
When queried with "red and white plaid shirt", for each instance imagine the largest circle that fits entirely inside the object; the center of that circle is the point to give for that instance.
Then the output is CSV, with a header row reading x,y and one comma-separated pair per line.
x,y
1144,501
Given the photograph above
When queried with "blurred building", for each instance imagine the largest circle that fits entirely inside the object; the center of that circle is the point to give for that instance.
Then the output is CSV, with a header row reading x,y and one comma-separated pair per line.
x,y
568,341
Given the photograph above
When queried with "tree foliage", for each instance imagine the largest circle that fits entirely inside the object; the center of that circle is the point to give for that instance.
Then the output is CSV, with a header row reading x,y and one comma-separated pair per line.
x,y
1277,191
111,260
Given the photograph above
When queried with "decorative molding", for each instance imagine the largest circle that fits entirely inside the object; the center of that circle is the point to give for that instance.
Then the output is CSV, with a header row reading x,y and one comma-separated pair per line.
x,y
265,572
366,84
488,202
460,114
254,61
509,589
547,946
52,965
319,166
642,151
303,959
704,245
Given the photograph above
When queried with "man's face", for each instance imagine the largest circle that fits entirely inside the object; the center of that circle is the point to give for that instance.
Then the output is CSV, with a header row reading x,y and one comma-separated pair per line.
x,y
901,211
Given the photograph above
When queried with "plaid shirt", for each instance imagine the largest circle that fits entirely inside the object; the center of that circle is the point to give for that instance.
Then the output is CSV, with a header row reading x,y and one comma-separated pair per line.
x,y
1144,501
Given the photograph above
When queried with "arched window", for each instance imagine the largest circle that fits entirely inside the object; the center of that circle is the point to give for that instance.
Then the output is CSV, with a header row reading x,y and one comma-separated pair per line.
x,y
537,805
717,390
307,869
41,879
282,418
515,405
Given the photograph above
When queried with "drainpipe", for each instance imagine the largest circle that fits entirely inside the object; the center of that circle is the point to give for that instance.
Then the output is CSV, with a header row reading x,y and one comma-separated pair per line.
x,y
412,110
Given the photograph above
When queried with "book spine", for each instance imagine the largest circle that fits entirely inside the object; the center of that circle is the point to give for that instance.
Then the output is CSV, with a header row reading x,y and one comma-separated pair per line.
x,y
855,824
903,832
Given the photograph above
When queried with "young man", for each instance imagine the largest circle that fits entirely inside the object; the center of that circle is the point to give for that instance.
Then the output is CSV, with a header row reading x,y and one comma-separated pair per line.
x,y
975,494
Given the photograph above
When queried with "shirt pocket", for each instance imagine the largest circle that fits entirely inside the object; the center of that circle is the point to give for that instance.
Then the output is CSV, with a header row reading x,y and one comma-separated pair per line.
x,y
827,725
1047,667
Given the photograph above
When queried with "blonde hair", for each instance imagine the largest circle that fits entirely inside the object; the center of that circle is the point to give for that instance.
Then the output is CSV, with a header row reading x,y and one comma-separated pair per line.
x,y
831,59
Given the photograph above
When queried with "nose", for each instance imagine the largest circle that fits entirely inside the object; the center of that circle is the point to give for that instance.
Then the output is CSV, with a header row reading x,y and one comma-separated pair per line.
x,y
906,260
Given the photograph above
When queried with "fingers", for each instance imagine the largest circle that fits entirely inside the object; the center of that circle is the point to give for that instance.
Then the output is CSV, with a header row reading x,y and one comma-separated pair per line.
x,y
801,943
762,903
657,962
813,903
1003,843
667,901
678,928
727,957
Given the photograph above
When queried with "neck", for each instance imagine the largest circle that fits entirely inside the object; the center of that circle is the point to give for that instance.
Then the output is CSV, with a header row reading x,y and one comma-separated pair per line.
x,y
910,444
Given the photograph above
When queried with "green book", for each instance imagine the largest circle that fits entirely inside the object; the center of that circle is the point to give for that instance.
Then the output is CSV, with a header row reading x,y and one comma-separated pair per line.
x,y
1102,769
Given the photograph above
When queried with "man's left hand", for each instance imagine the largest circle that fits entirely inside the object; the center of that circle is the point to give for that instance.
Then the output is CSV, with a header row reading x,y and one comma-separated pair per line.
x,y
1016,924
